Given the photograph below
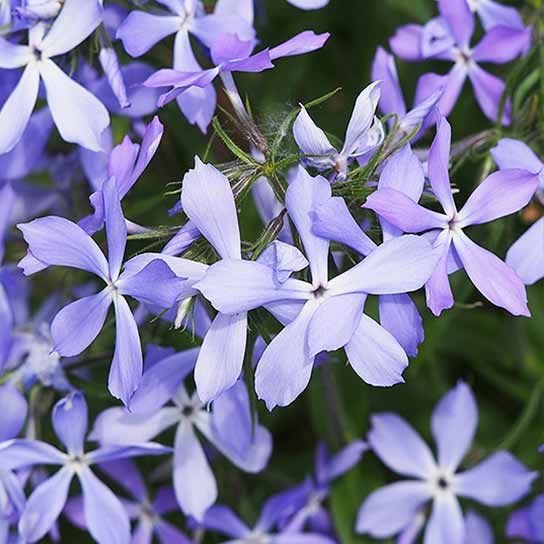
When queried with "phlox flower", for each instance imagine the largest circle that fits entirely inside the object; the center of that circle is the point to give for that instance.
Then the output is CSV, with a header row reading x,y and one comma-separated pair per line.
x,y
228,426
528,523
104,513
363,135
498,480
79,116
328,314
57,241
448,38
500,194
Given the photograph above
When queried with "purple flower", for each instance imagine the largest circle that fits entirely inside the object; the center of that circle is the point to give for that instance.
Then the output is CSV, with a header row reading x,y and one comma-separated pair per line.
x,y
392,100
333,221
223,520
231,54
526,256
80,117
528,523
57,241
141,31
228,426
145,511
363,136
104,513
498,480
448,38
323,315
500,194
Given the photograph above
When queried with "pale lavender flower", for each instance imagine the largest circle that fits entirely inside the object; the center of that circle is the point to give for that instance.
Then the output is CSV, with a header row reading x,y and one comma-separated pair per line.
x,y
57,241
498,480
104,513
141,31
333,221
80,117
363,136
528,522
526,256
448,38
228,426
323,315
500,194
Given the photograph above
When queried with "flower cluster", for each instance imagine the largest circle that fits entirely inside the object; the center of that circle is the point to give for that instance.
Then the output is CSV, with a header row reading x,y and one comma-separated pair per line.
x,y
170,336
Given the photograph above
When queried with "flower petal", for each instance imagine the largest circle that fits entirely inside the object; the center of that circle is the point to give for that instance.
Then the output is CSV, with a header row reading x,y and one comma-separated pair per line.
x,y
510,153
446,524
406,43
235,286
70,422
302,43
283,258
208,201
499,480
116,228
221,356
413,459
304,195
502,44
21,453
105,517
332,220
284,369
500,194
438,290
400,265
13,55
80,117
489,90
477,529
460,19
14,411
403,212
194,482
439,159
17,109
57,241
140,31
311,140
44,505
127,364
160,382
74,23
388,510
400,317
78,324
495,280
375,355
453,425
384,70
526,255
334,323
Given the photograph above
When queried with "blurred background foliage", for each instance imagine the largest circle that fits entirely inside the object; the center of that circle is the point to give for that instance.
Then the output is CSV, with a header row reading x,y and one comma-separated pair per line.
x,y
500,356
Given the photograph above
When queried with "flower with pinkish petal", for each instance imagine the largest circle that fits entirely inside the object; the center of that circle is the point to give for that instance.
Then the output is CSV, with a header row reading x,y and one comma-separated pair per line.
x,y
141,30
448,38
80,117
363,136
104,513
500,194
498,480
228,426
57,241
